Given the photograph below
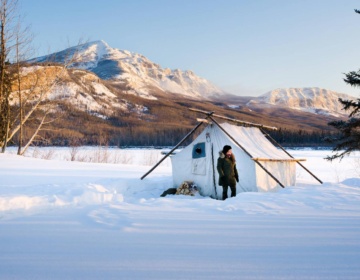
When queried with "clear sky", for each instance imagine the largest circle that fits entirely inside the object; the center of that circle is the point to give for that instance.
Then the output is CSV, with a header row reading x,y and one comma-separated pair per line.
x,y
246,47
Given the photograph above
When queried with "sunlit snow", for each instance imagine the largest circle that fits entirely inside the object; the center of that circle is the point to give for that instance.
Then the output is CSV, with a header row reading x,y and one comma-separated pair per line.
x,y
94,218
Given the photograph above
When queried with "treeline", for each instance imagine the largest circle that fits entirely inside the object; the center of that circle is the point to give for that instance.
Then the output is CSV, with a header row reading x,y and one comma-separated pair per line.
x,y
158,135
300,138
147,136
76,128
120,137
172,136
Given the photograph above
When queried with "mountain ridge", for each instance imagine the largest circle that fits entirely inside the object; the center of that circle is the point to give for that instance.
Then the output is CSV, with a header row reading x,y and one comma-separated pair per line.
x,y
141,76
309,99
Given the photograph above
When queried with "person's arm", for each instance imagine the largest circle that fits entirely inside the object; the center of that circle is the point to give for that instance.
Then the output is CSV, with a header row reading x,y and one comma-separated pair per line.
x,y
219,167
236,173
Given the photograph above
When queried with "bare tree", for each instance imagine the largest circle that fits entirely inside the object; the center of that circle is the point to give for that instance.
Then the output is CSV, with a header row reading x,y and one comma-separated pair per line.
x,y
24,91
7,18
33,88
23,51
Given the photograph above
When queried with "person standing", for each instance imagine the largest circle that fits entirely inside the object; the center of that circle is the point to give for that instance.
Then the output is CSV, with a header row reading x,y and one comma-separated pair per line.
x,y
228,175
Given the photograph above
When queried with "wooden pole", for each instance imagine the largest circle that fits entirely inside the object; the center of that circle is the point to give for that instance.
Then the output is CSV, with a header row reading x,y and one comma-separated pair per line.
x,y
173,149
257,162
277,144
279,160
234,120
213,168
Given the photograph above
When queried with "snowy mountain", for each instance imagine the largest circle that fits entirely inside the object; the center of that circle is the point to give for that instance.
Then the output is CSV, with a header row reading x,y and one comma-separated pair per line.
x,y
313,100
141,76
79,88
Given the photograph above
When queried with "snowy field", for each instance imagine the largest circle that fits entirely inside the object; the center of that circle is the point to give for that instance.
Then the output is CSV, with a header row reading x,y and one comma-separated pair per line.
x,y
84,213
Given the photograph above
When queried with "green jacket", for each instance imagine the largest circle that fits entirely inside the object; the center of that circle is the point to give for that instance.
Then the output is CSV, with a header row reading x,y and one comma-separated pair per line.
x,y
227,169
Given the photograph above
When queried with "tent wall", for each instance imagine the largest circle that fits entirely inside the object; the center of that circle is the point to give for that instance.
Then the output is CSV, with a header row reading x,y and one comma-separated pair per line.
x,y
284,171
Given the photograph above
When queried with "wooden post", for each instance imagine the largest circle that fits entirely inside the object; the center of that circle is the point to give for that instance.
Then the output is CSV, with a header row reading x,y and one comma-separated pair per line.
x,y
277,144
213,168
279,160
257,162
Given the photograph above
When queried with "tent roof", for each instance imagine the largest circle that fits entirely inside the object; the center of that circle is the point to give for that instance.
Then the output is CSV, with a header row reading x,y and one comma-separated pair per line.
x,y
254,142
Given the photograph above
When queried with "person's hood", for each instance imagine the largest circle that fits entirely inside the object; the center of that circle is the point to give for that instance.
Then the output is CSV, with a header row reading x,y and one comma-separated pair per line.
x,y
222,155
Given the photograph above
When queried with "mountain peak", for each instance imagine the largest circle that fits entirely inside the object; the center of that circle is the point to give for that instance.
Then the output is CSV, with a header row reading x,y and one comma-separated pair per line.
x,y
101,43
99,46
137,72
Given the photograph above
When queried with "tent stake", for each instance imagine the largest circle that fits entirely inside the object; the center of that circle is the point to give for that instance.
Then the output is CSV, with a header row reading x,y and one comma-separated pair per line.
x,y
277,144
169,153
237,143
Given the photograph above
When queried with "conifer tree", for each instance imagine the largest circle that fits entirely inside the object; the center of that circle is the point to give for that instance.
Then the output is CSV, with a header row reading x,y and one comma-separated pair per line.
x,y
348,139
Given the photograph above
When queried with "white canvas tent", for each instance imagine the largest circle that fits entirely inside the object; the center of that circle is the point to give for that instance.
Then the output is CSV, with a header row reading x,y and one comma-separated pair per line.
x,y
197,162
262,167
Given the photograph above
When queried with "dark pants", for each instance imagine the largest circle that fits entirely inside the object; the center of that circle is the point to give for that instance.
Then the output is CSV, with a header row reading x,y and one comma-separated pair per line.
x,y
232,185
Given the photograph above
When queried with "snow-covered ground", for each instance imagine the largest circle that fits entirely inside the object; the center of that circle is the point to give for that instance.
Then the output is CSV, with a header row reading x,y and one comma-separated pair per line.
x,y
63,219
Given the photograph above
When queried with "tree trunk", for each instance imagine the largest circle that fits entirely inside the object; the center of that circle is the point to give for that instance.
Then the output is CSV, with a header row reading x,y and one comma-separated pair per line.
x,y
2,74
21,110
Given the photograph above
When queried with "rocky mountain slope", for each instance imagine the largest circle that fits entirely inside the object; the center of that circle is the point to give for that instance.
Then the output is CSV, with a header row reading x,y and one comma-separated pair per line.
x,y
135,72
312,100
80,89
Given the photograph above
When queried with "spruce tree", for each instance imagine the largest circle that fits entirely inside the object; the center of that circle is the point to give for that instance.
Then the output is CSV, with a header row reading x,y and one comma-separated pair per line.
x,y
348,139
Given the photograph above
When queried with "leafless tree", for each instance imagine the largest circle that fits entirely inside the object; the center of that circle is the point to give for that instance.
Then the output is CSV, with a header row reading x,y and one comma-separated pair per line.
x,y
23,51
33,90
24,89
8,9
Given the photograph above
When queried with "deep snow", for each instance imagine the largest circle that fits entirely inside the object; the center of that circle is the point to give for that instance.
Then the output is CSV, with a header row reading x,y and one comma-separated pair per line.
x,y
63,219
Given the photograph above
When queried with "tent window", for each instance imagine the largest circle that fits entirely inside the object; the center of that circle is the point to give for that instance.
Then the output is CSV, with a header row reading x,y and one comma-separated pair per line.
x,y
199,150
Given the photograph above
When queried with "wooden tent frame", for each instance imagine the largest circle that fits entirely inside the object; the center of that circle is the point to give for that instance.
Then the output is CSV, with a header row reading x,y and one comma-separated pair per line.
x,y
211,115
177,145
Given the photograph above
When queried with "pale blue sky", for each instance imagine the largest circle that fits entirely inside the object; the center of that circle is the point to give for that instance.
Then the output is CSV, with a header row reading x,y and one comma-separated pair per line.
x,y
247,47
